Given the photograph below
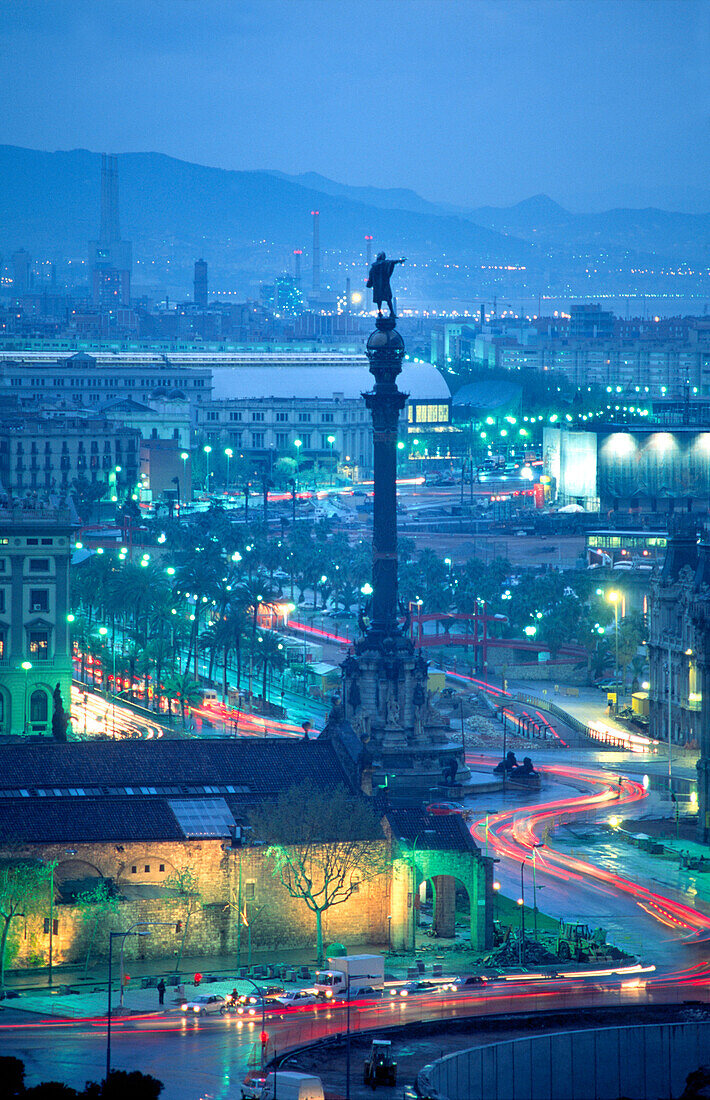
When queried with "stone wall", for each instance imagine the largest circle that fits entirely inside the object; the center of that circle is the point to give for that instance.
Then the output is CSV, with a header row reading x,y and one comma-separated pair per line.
x,y
145,875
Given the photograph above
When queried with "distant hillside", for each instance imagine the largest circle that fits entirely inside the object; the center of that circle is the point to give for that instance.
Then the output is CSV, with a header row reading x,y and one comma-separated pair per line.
x,y
50,203
680,238
541,221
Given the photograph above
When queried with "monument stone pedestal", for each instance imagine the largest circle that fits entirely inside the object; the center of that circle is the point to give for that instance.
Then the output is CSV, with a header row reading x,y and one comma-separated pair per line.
x,y
385,700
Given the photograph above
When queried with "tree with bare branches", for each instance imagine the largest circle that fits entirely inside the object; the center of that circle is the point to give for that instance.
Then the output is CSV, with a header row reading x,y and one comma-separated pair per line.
x,y
321,845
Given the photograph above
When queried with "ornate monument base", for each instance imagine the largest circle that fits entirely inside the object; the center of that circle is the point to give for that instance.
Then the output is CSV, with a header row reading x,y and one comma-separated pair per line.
x,y
409,746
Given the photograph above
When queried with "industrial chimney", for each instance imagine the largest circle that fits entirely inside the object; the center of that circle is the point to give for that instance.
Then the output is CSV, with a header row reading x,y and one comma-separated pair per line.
x,y
316,254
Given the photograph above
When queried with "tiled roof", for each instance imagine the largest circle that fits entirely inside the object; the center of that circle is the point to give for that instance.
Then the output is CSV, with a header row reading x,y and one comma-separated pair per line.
x,y
450,832
67,821
262,768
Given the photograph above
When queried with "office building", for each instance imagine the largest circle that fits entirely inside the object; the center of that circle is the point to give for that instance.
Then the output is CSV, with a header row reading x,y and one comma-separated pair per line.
x,y
21,272
49,451
35,653
264,410
92,380
629,468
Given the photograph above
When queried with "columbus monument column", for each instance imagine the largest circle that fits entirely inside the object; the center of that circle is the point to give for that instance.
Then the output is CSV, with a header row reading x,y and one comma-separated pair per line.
x,y
385,701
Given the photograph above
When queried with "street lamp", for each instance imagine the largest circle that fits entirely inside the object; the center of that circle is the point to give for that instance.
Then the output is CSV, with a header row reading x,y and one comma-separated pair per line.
x,y
331,441
208,451
103,631
521,903
614,598
535,846
26,666
229,455
298,443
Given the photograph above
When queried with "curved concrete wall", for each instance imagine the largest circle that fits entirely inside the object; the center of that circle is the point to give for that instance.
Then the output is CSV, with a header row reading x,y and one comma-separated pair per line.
x,y
600,1064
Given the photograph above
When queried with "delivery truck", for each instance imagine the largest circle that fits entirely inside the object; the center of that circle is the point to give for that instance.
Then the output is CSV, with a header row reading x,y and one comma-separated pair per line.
x,y
355,972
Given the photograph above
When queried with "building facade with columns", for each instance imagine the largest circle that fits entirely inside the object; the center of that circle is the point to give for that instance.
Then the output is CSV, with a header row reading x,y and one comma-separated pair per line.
x,y
679,657
35,651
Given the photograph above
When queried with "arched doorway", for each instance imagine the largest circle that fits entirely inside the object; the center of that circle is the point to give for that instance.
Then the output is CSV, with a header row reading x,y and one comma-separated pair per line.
x,y
444,905
5,712
39,710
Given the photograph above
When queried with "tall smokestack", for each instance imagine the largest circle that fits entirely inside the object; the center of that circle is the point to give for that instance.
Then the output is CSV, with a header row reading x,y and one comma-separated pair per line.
x,y
110,230
297,253
316,253
368,249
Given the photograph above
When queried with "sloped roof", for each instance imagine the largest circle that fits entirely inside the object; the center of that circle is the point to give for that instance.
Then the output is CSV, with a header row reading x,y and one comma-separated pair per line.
x,y
262,766
450,832
66,821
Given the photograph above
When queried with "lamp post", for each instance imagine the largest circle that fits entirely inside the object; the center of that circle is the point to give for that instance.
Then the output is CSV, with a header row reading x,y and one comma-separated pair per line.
x,y
130,932
488,813
103,631
521,903
298,443
111,937
26,666
613,597
229,454
208,451
184,456
535,847
669,643
331,442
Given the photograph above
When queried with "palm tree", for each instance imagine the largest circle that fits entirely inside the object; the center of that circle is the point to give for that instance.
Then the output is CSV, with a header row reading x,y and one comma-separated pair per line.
x,y
183,688
198,577
268,655
225,636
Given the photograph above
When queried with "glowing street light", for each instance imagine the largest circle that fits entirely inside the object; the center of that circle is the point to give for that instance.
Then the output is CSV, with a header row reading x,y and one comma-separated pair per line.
x,y
229,453
26,666
614,598
208,451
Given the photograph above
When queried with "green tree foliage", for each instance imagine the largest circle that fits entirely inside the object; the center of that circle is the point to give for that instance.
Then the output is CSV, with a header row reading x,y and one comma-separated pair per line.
x,y
185,884
24,891
321,846
96,907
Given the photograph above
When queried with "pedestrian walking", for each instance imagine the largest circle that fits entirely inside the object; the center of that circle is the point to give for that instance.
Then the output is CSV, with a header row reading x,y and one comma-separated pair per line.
x,y
161,992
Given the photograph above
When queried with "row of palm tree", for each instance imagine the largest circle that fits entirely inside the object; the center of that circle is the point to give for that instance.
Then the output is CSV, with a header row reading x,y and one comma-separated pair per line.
x,y
202,598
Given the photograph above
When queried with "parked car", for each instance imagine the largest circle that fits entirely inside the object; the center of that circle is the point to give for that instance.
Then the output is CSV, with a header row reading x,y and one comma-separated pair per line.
x,y
443,809
205,1005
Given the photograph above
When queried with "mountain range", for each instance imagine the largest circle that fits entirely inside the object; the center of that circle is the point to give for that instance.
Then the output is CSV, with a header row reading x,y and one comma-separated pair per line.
x,y
177,211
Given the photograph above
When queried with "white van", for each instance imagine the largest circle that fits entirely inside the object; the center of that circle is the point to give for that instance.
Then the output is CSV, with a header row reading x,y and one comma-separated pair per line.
x,y
286,1085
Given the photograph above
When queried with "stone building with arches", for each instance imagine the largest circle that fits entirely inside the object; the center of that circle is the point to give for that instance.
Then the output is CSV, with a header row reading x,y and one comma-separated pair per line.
x,y
164,825
35,650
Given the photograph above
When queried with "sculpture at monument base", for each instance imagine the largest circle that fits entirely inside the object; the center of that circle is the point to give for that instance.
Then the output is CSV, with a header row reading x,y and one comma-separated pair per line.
x,y
384,696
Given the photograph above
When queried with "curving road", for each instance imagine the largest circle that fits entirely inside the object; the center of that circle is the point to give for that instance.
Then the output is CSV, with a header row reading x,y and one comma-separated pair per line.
x,y
208,1058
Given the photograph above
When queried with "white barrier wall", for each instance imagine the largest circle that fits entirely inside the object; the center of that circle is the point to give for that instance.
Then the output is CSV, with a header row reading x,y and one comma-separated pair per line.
x,y
643,1062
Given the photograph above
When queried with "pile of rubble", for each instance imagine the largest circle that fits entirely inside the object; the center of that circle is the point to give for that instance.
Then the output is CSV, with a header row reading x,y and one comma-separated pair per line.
x,y
508,954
